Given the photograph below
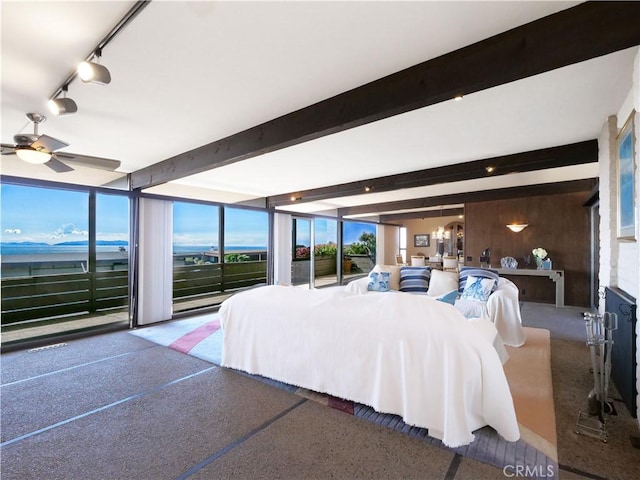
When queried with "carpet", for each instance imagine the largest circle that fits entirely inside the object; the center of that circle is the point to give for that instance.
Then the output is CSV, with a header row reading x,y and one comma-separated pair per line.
x,y
528,373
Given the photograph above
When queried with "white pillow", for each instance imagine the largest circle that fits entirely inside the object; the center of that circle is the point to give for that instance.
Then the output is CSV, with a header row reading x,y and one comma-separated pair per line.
x,y
442,282
394,278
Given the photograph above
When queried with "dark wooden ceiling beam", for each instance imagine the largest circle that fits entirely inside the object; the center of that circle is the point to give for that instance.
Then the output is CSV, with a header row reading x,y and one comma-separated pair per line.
x,y
470,197
553,157
589,30
444,212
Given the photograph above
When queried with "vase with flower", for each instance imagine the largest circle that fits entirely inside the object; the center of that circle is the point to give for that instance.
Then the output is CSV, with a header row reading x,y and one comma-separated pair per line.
x,y
540,254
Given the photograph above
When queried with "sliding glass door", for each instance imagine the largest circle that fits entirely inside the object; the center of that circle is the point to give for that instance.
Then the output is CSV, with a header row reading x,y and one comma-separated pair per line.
x,y
65,260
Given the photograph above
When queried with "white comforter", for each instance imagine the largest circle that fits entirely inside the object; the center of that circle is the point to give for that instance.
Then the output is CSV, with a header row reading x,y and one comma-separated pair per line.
x,y
408,355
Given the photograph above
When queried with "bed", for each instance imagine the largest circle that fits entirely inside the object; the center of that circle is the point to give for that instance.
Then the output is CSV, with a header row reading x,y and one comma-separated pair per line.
x,y
404,354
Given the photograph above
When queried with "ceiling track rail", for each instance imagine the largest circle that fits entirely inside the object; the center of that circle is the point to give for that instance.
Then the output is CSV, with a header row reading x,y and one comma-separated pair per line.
x,y
124,21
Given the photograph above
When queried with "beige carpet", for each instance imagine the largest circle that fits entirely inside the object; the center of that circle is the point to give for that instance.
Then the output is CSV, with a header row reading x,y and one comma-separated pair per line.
x,y
529,375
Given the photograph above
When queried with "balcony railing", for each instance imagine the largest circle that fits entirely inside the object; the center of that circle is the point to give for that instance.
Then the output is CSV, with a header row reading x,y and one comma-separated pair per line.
x,y
30,299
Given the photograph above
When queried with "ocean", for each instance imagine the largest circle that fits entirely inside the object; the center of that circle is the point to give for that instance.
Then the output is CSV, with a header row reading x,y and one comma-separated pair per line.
x,y
39,249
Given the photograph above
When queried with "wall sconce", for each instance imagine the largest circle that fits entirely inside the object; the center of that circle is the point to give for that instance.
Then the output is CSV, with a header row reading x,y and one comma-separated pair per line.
x,y
517,227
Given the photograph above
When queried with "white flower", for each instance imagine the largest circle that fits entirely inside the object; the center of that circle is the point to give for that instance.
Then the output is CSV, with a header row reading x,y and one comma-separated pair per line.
x,y
539,252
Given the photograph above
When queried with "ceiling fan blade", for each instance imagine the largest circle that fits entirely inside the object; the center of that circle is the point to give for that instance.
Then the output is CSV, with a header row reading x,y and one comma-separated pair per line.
x,y
48,144
7,149
57,166
88,161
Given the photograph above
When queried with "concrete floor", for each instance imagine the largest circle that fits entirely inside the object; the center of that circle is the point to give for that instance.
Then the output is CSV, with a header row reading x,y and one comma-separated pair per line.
x,y
116,406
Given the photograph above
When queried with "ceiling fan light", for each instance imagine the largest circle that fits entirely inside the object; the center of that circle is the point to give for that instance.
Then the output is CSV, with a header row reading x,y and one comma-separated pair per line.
x,y
91,72
62,106
31,155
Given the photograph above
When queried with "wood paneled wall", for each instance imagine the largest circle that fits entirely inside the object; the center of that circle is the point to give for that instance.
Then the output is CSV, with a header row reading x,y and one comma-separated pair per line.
x,y
557,223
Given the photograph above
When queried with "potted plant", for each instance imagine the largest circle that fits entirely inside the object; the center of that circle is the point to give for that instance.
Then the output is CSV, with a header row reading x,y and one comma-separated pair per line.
x,y
346,264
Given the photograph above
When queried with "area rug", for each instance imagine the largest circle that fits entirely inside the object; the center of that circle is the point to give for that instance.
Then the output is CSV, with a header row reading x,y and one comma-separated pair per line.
x,y
528,373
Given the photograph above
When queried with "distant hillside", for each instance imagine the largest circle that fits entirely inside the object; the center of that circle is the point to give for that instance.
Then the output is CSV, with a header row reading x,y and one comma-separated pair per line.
x,y
116,243
24,243
99,242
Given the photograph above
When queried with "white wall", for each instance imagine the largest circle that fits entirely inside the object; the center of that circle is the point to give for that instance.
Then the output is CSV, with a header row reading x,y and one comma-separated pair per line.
x,y
619,259
387,244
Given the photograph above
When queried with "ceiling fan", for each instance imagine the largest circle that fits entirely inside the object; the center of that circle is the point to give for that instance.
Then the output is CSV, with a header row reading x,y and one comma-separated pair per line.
x,y
42,149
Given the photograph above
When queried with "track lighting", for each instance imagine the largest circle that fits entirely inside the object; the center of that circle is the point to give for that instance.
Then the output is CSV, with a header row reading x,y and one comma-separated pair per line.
x,y
64,105
92,72
31,155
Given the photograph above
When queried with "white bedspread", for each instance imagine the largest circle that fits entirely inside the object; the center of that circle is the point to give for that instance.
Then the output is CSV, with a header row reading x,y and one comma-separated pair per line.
x,y
503,309
408,355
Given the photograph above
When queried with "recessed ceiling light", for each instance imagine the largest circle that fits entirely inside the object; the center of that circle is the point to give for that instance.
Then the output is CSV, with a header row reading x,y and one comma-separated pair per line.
x,y
457,98
490,169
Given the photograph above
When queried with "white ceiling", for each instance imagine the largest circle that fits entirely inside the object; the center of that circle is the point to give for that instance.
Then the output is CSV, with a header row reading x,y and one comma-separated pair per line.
x,y
185,74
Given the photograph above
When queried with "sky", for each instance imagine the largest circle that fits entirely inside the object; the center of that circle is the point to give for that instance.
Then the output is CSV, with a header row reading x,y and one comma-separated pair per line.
x,y
326,231
33,214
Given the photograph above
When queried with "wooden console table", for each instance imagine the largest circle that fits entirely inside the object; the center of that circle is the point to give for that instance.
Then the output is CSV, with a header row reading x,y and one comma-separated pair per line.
x,y
556,275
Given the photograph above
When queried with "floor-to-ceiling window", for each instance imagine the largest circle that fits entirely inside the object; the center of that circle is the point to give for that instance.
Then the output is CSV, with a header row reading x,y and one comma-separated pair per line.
x,y
60,248
112,253
197,271
246,236
359,247
301,231
217,250
325,251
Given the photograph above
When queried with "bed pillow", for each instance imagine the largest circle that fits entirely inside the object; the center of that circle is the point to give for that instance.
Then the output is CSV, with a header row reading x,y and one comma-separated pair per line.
x,y
378,282
478,288
442,282
414,279
394,270
358,286
476,272
449,297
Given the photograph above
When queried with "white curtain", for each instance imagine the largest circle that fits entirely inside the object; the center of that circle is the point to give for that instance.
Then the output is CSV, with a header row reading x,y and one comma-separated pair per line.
x,y
155,278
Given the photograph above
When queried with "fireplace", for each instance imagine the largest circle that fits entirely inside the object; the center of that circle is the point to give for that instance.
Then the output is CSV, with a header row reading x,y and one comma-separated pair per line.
x,y
623,353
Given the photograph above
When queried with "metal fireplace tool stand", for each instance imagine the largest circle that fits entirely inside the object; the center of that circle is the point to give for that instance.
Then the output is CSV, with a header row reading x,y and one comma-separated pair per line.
x,y
599,328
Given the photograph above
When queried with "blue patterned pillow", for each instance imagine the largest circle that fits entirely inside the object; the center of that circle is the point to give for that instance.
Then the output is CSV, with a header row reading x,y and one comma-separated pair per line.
x,y
478,288
414,279
477,272
449,297
379,282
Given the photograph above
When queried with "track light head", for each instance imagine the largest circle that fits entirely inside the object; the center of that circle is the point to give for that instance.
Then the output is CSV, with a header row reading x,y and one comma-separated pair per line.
x,y
62,106
91,72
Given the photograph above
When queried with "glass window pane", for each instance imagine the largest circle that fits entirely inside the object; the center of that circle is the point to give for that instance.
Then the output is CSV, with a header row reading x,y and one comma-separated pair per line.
x,y
112,232
246,236
326,248
301,254
112,254
359,246
44,231
196,260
